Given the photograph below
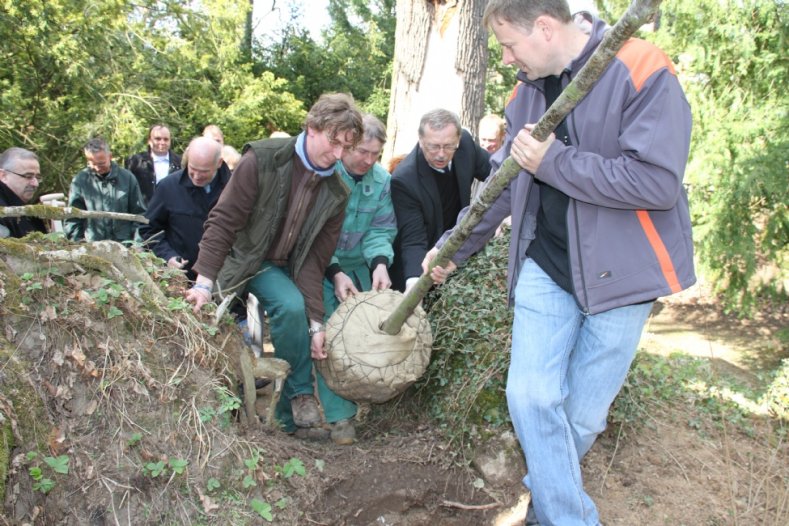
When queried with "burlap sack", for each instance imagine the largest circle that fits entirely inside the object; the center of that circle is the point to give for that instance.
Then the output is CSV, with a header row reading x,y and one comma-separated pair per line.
x,y
365,364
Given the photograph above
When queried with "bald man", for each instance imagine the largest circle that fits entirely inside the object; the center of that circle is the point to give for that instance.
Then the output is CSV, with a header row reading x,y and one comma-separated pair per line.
x,y
181,202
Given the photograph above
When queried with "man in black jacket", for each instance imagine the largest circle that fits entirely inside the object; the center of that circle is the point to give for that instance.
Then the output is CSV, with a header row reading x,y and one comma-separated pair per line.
x,y
429,187
152,166
20,174
181,203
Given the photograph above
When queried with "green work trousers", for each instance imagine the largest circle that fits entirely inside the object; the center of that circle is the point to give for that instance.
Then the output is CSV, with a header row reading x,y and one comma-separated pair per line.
x,y
335,407
288,325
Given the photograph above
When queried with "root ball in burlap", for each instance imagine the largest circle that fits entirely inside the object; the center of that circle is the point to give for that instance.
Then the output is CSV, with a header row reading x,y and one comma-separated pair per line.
x,y
365,364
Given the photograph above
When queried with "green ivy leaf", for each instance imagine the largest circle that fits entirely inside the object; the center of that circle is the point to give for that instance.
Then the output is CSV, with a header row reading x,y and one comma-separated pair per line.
x,y
35,472
262,508
248,482
44,485
154,468
58,464
212,484
178,466
294,466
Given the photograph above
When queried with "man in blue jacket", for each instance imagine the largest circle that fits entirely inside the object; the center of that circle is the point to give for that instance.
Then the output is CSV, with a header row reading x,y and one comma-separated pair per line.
x,y
181,203
600,229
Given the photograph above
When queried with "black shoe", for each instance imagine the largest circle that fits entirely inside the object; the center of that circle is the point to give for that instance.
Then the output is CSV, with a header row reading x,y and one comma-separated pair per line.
x,y
260,383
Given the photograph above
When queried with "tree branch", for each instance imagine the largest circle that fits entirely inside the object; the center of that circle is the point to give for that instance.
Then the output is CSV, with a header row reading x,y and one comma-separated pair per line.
x,y
66,212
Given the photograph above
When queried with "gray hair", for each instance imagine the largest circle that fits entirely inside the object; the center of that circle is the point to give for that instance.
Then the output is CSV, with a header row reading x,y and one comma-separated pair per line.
x,y
9,158
523,13
438,120
96,145
373,128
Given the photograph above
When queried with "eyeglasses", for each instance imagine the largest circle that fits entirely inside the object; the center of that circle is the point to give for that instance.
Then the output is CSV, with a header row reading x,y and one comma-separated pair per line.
x,y
435,148
29,177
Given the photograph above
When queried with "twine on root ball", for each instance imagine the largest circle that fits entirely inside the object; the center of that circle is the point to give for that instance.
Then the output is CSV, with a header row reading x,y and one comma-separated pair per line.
x,y
365,364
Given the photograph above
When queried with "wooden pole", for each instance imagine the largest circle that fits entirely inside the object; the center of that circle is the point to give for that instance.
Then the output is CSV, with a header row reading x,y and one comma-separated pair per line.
x,y
639,13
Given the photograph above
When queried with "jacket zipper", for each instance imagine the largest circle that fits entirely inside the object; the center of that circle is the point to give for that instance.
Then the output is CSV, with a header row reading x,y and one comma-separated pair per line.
x,y
585,303
300,205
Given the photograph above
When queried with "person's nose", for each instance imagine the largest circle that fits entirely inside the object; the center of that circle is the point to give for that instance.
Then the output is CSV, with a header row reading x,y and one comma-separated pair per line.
x,y
506,57
337,151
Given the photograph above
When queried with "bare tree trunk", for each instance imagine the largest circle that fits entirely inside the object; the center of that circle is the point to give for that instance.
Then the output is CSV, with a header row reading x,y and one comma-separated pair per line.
x,y
441,55
639,13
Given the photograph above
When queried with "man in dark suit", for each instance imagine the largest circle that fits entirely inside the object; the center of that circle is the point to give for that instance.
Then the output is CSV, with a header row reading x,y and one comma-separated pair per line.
x,y
181,203
429,187
158,162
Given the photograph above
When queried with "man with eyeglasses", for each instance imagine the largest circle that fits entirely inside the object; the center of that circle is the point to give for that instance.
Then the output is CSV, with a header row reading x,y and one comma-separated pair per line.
x,y
181,203
273,232
103,186
430,187
363,252
20,175
153,165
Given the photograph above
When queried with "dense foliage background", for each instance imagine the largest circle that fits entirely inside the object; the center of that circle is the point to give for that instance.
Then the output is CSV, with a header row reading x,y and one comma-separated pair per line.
x,y
71,69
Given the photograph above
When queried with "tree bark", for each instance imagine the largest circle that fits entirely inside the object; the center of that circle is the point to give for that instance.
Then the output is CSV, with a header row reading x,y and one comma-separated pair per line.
x,y
639,13
441,56
66,212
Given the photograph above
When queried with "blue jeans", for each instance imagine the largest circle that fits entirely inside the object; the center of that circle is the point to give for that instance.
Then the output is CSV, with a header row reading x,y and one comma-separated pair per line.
x,y
565,371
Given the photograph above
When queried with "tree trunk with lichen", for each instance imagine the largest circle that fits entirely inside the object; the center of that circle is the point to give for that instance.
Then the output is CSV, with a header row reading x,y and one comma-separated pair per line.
x,y
639,13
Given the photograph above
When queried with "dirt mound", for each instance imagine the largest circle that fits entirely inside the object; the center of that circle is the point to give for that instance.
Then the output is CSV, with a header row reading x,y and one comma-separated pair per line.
x,y
120,407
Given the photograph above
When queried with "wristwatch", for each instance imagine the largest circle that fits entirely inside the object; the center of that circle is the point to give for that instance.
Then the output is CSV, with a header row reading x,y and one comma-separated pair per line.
x,y
312,331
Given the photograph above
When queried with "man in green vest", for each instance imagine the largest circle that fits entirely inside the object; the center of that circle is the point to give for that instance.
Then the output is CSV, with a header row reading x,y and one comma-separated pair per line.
x,y
273,232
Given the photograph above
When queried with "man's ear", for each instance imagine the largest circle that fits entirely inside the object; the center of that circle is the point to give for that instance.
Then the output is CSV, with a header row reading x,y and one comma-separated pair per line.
x,y
544,24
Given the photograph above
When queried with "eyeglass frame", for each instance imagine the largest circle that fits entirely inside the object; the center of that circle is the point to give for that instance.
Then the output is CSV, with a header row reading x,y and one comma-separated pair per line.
x,y
29,177
435,148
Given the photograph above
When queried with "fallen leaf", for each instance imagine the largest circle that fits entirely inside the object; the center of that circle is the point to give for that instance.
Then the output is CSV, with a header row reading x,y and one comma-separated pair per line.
x,y
139,389
63,392
84,297
90,407
48,313
90,369
56,441
57,358
51,389
77,355
208,503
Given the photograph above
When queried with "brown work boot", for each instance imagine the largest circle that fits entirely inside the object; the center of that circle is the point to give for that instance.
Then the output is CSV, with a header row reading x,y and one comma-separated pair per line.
x,y
305,410
343,433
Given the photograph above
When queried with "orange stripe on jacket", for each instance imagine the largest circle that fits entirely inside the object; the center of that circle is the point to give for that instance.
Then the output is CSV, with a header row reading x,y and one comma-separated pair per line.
x,y
643,59
666,265
518,84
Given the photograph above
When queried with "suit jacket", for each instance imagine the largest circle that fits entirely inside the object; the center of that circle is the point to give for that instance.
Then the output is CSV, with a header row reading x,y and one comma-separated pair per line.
x,y
417,203
17,226
141,165
176,215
